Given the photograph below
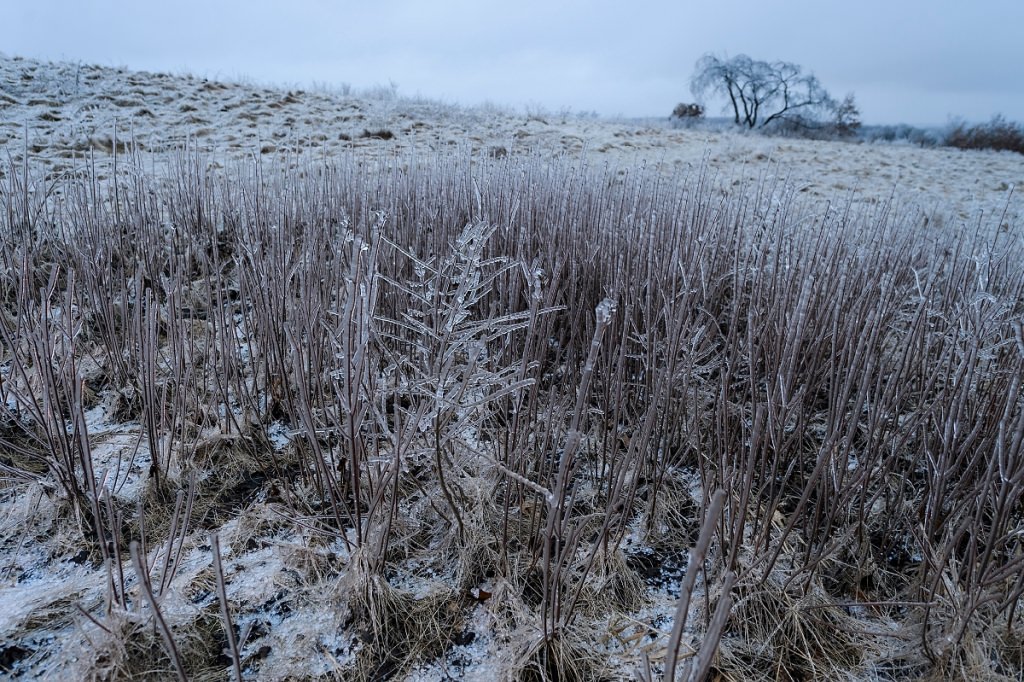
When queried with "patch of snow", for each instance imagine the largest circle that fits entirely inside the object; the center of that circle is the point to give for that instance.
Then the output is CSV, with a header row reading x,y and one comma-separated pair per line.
x,y
279,435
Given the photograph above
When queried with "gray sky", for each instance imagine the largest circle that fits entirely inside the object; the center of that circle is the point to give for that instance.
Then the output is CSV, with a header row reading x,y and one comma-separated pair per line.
x,y
907,61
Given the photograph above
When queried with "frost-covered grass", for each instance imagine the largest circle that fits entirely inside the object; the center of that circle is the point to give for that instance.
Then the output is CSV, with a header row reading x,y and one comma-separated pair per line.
x,y
456,414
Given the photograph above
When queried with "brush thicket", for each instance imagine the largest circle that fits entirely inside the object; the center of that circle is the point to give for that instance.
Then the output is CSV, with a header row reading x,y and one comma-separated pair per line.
x,y
501,368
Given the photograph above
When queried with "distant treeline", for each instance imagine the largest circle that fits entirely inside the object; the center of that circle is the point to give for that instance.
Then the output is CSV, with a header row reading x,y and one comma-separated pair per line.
x,y
997,133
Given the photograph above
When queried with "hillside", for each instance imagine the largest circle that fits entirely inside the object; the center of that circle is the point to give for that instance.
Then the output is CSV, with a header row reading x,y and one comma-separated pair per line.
x,y
310,385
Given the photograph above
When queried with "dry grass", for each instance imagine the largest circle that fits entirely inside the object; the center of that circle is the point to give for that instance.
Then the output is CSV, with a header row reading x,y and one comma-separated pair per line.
x,y
491,372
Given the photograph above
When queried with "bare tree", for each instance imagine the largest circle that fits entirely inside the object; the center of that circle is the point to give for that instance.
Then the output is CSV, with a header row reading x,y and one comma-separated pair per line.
x,y
762,93
846,117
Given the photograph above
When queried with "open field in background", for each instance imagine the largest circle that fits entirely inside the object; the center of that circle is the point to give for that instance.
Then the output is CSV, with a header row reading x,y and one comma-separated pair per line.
x,y
456,402
70,109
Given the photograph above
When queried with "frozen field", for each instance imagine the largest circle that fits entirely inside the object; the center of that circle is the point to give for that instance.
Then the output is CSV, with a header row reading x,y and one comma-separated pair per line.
x,y
67,110
453,388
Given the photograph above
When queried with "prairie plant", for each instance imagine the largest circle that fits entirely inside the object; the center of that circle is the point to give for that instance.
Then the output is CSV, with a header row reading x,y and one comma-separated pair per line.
x,y
514,370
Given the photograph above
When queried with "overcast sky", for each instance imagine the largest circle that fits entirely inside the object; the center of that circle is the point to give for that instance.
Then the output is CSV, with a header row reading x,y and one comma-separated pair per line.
x,y
907,61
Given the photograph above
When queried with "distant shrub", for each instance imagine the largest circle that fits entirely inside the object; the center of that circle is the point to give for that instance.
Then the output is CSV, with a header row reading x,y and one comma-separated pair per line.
x,y
382,134
902,133
846,117
684,111
998,134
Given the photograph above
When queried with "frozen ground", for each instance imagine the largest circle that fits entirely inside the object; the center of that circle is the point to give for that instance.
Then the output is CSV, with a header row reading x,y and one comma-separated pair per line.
x,y
293,623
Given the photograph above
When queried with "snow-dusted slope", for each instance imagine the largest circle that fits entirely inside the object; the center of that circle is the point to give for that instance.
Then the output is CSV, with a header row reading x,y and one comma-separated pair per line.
x,y
63,111
295,624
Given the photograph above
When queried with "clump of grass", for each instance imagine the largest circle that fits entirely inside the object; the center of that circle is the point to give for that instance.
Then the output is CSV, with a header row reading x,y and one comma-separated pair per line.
x,y
131,648
774,635
380,134
565,656
398,628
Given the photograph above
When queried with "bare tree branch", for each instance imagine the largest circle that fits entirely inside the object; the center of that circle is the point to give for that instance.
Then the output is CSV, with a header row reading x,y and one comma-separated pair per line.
x,y
762,93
